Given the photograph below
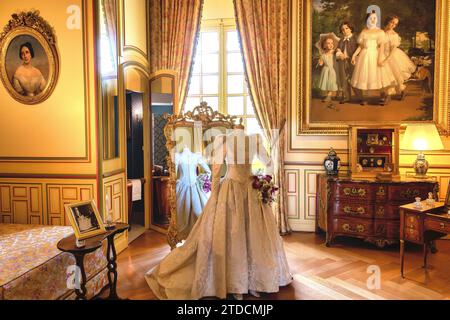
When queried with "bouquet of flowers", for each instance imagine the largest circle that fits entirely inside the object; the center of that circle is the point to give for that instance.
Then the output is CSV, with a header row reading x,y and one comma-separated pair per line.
x,y
266,187
205,182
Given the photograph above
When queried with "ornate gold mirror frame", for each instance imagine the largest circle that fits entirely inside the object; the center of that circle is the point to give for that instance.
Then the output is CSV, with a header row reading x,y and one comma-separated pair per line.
x,y
208,118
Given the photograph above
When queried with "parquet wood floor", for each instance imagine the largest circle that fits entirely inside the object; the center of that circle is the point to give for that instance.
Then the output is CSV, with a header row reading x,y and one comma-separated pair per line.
x,y
338,273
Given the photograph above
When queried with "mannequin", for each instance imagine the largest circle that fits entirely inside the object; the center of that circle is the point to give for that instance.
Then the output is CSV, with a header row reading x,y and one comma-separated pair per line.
x,y
191,198
234,248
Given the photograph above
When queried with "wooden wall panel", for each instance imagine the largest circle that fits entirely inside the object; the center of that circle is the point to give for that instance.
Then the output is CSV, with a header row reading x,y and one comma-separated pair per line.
x,y
21,203
114,188
59,195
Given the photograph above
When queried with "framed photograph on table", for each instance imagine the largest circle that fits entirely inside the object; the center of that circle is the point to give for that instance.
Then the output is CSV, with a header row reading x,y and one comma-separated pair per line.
x,y
368,156
85,219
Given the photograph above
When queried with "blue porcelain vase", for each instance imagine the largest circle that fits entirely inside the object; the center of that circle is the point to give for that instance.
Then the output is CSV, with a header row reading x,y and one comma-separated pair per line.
x,y
332,163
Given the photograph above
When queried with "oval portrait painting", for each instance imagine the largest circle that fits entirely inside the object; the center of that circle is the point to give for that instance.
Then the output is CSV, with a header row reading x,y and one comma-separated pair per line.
x,y
29,65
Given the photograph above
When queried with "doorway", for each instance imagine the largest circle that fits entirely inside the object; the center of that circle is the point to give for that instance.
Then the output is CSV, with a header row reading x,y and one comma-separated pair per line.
x,y
136,181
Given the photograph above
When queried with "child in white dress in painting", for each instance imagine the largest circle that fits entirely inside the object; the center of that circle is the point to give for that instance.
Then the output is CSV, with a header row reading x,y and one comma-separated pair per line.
x,y
370,73
328,76
400,64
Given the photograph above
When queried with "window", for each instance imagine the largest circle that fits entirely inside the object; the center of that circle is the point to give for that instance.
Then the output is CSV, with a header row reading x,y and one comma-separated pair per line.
x,y
218,75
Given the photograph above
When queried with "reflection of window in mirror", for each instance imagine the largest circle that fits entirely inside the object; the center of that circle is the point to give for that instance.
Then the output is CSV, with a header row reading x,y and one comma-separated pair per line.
x,y
107,65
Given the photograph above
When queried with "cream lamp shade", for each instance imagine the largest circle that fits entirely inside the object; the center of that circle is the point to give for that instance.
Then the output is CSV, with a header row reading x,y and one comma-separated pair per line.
x,y
422,137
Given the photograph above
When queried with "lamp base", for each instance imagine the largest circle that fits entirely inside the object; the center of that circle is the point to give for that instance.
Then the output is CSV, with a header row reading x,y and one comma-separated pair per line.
x,y
421,166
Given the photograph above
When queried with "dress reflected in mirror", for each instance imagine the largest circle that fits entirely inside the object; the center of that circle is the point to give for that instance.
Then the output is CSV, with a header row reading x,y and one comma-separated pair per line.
x,y
191,199
235,247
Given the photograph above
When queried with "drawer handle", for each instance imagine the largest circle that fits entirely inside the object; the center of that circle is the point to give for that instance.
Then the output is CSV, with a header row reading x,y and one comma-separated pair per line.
x,y
412,226
354,192
359,210
410,194
442,225
359,228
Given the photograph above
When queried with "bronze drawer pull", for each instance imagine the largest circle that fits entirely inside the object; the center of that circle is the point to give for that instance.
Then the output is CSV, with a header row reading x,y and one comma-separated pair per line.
x,y
359,210
354,192
359,228
442,225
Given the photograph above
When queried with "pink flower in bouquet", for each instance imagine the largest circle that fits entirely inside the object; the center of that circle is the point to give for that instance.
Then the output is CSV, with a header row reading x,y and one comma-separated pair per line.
x,y
205,182
267,189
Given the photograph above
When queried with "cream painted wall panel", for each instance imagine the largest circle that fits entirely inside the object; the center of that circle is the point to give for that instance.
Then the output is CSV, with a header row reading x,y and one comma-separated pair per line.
x,y
60,120
292,206
136,24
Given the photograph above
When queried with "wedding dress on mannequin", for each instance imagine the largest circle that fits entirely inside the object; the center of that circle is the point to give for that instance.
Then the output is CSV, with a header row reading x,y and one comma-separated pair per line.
x,y
235,246
191,199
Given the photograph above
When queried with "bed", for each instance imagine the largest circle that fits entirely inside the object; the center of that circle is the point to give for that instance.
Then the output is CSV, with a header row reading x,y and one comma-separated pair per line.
x,y
32,267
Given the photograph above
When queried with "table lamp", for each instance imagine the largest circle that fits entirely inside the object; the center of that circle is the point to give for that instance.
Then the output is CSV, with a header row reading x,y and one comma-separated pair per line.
x,y
421,137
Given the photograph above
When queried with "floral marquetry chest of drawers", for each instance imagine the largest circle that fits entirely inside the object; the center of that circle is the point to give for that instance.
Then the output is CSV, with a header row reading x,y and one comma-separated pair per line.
x,y
365,208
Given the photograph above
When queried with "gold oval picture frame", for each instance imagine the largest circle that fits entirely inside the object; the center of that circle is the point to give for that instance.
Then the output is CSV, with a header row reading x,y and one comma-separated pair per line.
x,y
29,61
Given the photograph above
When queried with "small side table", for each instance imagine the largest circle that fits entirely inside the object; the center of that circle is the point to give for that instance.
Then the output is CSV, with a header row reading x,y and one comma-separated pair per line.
x,y
92,244
68,245
112,257
422,226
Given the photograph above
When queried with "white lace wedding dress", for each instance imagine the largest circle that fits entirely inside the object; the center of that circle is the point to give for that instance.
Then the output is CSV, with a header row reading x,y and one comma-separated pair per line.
x,y
191,199
234,247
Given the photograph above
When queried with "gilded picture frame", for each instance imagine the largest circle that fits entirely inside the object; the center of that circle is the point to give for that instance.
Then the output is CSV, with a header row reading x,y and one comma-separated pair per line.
x,y
304,47
29,61
85,219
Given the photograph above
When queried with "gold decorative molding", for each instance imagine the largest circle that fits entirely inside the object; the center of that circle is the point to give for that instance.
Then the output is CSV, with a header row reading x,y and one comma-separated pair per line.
x,y
30,19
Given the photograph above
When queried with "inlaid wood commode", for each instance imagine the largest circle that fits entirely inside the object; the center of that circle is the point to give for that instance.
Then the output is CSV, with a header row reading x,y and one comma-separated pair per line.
x,y
365,208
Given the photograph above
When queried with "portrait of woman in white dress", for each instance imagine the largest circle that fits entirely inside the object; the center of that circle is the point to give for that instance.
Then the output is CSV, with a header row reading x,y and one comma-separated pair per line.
x,y
370,73
29,67
191,199
28,80
234,248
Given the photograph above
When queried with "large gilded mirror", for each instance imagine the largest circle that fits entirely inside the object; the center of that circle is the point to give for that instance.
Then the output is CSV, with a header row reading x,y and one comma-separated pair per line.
x,y
188,141
108,85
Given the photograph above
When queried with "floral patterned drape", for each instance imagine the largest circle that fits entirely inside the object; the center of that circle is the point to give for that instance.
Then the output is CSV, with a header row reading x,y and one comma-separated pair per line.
x,y
174,27
263,26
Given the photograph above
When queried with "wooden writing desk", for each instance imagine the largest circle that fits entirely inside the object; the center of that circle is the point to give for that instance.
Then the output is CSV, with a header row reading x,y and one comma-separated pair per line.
x,y
422,226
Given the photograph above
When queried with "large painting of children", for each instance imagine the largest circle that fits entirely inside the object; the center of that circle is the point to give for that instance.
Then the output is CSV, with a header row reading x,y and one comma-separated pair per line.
x,y
373,60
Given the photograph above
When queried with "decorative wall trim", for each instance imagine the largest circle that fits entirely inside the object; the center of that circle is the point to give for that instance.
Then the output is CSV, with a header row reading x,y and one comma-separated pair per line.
x,y
47,176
